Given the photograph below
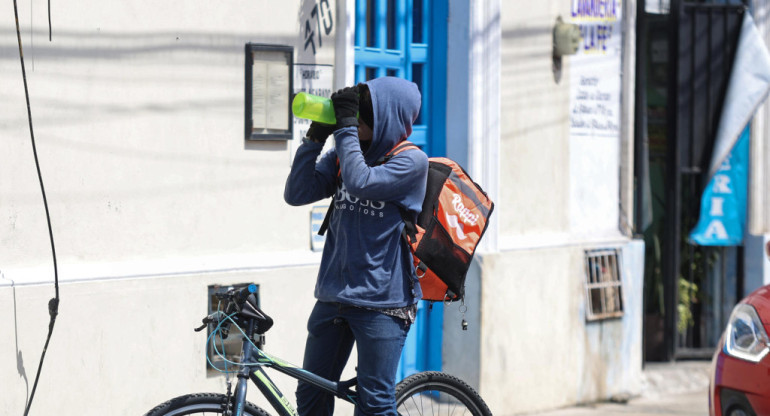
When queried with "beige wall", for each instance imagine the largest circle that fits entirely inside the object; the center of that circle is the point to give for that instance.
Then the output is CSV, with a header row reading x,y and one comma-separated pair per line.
x,y
138,112
523,351
533,328
154,195
759,183
124,346
537,349
554,187
534,145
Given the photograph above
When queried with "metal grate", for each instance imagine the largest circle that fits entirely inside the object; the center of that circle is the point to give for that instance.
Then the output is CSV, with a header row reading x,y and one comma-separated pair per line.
x,y
232,344
604,288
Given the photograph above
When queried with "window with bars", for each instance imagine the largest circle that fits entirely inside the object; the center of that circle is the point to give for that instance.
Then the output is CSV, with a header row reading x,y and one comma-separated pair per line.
x,y
604,288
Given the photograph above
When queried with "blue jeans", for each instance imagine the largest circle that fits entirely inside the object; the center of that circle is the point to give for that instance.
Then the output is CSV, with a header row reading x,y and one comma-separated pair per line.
x,y
379,338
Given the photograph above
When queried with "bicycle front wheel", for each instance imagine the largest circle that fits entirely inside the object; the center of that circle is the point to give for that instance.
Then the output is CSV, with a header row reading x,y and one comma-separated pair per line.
x,y
434,393
201,404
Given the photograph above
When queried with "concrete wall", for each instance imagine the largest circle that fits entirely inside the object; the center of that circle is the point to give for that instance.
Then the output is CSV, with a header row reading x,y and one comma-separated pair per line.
x,y
138,111
534,136
121,347
154,195
558,196
534,331
759,183
757,261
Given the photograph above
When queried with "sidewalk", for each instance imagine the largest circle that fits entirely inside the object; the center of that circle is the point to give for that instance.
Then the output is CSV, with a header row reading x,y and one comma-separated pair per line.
x,y
679,388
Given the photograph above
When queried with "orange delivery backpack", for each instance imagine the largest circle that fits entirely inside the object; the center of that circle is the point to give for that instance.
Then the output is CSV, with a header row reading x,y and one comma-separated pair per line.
x,y
455,215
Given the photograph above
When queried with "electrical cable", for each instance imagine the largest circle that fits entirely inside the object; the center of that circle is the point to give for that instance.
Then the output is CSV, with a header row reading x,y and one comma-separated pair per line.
x,y
221,355
53,304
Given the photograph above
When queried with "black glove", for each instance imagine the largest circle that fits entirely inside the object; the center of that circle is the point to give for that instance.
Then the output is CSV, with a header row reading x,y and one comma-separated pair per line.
x,y
319,132
345,103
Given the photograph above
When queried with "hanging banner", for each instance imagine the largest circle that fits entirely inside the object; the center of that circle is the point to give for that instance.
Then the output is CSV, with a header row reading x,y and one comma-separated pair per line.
x,y
723,204
747,89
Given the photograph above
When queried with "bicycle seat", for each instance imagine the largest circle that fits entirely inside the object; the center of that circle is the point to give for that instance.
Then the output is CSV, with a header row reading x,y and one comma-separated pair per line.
x,y
250,310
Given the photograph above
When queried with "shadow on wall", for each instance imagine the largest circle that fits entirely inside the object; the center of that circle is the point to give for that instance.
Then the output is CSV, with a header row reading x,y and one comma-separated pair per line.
x,y
111,45
19,357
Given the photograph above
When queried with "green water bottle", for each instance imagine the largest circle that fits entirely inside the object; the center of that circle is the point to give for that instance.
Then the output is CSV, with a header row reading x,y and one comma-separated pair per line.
x,y
313,107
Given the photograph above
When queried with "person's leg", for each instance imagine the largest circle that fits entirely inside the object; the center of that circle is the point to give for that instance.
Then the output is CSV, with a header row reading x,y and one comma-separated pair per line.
x,y
379,341
328,347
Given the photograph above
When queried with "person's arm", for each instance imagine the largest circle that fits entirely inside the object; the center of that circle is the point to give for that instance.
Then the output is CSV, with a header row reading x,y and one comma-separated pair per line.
x,y
309,181
387,182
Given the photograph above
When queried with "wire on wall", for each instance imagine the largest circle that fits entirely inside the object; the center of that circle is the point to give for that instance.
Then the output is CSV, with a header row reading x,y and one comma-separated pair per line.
x,y
53,304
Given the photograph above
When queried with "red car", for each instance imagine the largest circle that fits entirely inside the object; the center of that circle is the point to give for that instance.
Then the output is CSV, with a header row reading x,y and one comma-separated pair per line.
x,y
740,369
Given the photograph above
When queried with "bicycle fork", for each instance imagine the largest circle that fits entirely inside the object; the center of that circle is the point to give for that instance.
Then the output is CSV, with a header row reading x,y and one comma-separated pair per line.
x,y
240,392
239,402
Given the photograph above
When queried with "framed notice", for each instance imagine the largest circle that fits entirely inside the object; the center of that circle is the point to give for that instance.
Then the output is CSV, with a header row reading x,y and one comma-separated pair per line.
x,y
269,84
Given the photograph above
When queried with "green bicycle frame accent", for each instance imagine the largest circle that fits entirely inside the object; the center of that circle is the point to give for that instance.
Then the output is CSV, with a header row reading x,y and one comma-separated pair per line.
x,y
272,393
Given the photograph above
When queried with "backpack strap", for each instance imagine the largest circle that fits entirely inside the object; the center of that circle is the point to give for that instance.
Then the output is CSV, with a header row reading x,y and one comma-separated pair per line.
x,y
398,148
410,229
325,224
327,217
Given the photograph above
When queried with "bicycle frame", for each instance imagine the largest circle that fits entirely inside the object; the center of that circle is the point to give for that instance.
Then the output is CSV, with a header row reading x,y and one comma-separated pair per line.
x,y
274,396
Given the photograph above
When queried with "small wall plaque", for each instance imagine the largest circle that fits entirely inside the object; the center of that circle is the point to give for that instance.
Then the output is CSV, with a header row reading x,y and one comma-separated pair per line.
x,y
269,89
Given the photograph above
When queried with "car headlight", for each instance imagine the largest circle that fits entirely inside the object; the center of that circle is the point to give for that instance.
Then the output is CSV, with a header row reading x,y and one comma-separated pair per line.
x,y
745,337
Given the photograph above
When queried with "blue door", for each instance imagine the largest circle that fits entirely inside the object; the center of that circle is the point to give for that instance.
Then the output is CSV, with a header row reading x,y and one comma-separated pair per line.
x,y
407,39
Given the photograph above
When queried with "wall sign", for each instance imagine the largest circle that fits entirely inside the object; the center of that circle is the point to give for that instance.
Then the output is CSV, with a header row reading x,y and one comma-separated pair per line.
x,y
594,117
319,24
317,215
595,80
269,85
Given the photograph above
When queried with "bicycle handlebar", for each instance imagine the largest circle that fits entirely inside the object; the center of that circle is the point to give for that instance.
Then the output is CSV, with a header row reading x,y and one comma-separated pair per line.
x,y
214,318
238,295
243,303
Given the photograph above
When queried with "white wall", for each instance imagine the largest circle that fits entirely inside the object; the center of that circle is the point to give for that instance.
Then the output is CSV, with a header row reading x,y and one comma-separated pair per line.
x,y
138,115
759,183
554,186
756,260
537,349
534,145
557,197
154,195
138,110
121,347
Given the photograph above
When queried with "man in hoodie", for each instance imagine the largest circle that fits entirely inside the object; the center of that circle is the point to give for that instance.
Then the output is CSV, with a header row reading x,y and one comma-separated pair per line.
x,y
366,289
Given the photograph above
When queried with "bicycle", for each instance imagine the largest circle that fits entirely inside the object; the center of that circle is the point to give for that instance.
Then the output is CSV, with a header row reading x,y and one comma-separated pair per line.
x,y
433,393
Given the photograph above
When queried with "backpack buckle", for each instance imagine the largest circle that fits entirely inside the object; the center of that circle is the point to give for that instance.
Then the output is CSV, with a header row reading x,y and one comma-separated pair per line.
x,y
421,267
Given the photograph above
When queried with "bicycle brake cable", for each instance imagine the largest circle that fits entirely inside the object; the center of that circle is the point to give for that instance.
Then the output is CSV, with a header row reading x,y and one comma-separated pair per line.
x,y
53,304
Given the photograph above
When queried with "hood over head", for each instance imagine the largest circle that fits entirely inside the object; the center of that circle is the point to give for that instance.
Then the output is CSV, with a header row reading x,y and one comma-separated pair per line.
x,y
396,104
